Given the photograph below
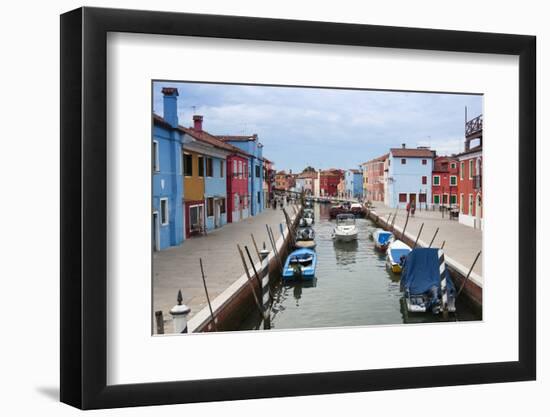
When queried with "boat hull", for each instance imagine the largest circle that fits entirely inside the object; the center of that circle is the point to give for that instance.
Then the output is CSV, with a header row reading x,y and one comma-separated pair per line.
x,y
345,237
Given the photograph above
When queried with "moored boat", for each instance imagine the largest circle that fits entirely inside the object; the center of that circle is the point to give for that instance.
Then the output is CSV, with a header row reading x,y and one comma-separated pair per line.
x,y
426,282
305,238
346,229
382,239
358,210
396,254
300,264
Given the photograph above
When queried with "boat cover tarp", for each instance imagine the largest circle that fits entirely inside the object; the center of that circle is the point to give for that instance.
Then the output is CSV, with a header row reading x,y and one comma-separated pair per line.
x,y
384,237
421,271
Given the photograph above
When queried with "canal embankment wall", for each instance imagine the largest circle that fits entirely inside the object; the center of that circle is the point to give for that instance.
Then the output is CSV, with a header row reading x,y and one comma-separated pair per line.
x,y
237,302
473,286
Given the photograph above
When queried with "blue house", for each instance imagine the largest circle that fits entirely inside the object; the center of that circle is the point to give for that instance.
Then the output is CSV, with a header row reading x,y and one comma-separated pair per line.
x,y
167,226
409,176
254,148
354,183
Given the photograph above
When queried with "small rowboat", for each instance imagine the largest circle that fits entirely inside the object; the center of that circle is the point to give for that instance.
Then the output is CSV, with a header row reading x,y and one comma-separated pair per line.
x,y
396,254
382,239
300,264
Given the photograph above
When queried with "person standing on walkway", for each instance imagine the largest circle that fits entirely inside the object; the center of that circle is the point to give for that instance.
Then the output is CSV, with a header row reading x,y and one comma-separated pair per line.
x,y
408,208
413,208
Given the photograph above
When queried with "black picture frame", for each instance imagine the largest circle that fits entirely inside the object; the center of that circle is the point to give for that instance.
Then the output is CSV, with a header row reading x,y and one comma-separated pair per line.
x,y
84,207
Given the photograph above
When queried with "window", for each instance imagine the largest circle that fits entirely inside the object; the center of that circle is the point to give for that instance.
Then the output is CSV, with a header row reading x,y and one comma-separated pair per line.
x,y
471,168
424,162
453,198
222,168
209,167
187,164
471,203
235,172
240,169
156,160
164,211
452,179
201,166
436,199
257,171
236,202
424,179
453,166
462,208
209,206
259,198
222,206
403,161
436,180
402,198
421,198
462,170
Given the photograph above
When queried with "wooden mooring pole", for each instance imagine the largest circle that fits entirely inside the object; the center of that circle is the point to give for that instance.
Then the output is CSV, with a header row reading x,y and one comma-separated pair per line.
x,y
433,238
208,297
249,281
468,276
418,236
256,247
405,227
160,322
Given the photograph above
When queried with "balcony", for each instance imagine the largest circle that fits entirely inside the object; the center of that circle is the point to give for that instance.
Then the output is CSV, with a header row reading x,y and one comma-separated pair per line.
x,y
476,181
474,126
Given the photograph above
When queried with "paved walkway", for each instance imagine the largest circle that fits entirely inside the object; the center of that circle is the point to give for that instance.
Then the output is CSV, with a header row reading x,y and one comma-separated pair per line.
x,y
178,268
462,243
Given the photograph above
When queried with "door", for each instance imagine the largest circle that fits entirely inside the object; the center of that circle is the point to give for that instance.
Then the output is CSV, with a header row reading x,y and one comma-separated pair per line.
x,y
412,199
217,213
155,238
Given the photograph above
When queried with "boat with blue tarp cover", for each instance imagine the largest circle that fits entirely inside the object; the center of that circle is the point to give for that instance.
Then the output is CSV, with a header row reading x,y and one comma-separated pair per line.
x,y
382,239
396,254
426,282
300,264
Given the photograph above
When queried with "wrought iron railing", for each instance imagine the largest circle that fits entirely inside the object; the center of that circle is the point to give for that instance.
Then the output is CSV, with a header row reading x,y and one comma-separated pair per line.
x,y
474,126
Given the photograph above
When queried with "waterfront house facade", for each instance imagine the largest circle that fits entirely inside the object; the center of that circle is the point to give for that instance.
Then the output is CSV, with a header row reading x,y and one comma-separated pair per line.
x,y
304,182
409,174
284,181
252,146
445,181
328,182
167,211
237,187
374,179
470,175
269,178
353,184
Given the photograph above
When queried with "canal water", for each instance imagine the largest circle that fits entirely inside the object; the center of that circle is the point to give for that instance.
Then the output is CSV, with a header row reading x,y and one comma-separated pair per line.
x,y
352,287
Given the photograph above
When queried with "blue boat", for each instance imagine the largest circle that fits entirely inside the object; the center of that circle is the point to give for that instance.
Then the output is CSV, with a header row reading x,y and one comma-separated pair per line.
x,y
396,254
426,282
300,264
382,239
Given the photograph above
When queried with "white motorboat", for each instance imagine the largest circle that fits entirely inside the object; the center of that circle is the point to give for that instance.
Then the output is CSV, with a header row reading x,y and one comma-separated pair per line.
x,y
346,229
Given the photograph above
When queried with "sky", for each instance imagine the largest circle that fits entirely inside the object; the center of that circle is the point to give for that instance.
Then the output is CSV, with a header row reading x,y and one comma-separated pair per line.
x,y
325,128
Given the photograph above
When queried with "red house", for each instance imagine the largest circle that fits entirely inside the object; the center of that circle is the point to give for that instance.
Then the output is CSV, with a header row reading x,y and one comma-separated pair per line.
x,y
445,181
237,187
329,180
470,175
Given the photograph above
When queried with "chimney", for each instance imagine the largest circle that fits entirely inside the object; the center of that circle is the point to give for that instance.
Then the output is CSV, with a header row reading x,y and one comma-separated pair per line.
x,y
197,123
403,145
171,105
